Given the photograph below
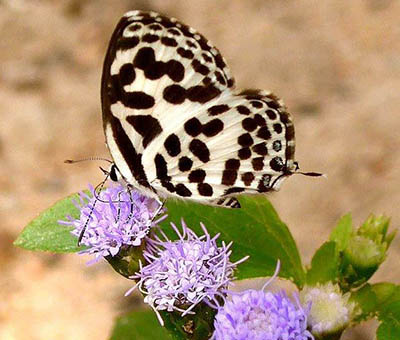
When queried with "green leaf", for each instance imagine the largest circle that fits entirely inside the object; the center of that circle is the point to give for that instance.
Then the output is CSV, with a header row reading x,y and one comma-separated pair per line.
x,y
366,301
45,234
255,230
324,264
388,309
389,329
139,325
342,232
388,295
381,300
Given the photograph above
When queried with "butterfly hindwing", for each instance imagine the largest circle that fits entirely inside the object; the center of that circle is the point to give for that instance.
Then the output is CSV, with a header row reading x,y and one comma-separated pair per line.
x,y
175,126
242,145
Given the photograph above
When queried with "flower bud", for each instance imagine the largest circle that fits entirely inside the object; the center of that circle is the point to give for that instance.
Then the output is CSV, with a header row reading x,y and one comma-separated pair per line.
x,y
365,251
331,312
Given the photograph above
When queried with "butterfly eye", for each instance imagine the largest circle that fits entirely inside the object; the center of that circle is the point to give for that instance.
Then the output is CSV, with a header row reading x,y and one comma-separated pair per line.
x,y
113,173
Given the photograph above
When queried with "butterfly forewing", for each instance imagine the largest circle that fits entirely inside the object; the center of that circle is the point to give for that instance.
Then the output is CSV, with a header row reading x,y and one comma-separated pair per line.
x,y
173,123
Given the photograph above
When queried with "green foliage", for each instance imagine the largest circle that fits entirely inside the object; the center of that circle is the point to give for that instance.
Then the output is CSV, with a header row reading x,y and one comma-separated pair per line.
x,y
45,234
198,326
324,265
139,325
255,230
342,232
380,300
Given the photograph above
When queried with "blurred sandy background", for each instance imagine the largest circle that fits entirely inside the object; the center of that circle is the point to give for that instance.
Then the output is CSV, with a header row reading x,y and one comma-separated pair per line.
x,y
335,63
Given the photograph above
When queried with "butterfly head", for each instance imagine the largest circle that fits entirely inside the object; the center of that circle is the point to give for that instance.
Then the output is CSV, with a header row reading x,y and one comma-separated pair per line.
x,y
113,173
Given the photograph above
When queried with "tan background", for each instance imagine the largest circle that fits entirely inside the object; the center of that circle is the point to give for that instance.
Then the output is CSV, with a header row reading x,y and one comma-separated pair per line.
x,y
335,63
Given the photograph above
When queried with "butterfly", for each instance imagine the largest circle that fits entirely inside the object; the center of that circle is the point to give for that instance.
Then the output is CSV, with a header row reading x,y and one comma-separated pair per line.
x,y
175,125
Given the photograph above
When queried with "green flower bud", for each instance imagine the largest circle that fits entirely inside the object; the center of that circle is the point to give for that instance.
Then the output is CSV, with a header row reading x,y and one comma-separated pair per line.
x,y
331,312
365,251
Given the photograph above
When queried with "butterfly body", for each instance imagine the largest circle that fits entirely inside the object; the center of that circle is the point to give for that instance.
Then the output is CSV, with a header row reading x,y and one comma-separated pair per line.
x,y
176,127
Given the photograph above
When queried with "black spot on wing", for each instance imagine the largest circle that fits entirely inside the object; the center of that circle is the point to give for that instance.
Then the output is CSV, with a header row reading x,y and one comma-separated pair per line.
x,y
217,109
185,163
249,124
220,78
150,38
124,43
182,190
232,164
137,100
144,58
168,185
271,114
155,27
248,178
213,127
244,153
277,145
134,28
207,58
161,167
260,121
174,31
172,145
169,42
276,164
256,104
199,67
277,128
127,74
258,163
200,150
264,183
174,94
205,189
202,94
229,177
175,70
193,127
245,140
188,54
243,110
260,149
264,133
147,126
197,176
233,190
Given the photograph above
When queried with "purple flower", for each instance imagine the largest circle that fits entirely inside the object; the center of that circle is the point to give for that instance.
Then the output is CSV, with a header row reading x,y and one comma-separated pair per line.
x,y
259,315
115,218
180,274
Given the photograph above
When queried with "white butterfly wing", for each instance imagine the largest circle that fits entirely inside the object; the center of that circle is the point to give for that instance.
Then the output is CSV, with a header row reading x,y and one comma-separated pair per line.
x,y
173,125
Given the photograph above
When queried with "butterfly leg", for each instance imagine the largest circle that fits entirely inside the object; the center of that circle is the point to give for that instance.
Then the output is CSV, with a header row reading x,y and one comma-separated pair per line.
x,y
227,202
159,209
99,188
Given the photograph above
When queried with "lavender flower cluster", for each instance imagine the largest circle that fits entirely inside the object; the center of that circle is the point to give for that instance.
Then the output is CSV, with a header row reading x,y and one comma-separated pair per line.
x,y
176,276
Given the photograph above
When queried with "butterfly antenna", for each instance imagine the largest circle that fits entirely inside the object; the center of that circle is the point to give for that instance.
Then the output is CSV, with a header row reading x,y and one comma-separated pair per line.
x,y
73,161
311,174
